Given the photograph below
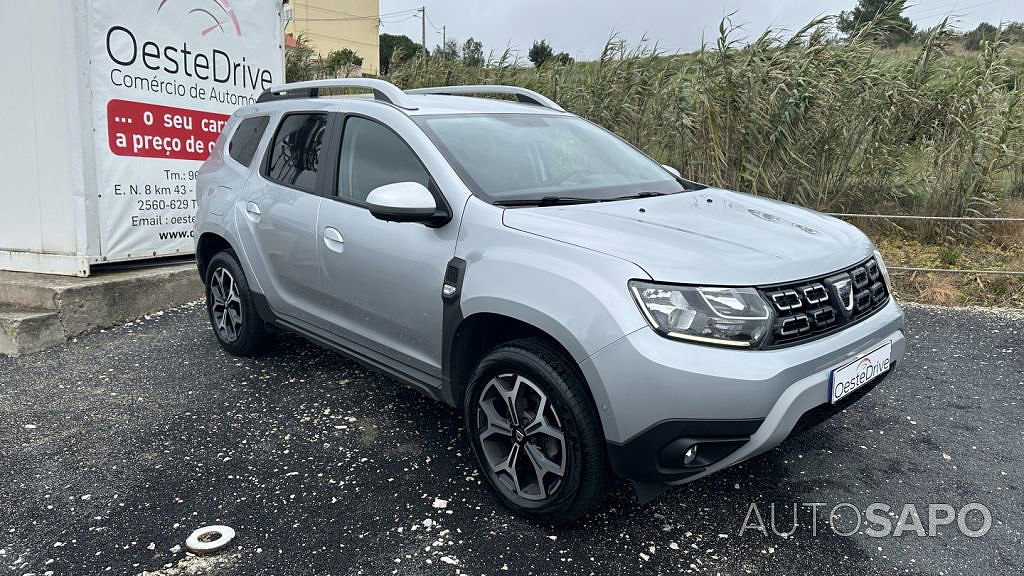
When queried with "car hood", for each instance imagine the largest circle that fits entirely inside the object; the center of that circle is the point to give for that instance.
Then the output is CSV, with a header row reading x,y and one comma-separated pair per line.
x,y
712,236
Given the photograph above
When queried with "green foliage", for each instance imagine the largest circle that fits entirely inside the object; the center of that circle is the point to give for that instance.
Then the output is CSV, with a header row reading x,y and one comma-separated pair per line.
x,y
341,63
985,32
883,20
540,53
450,50
845,127
1011,33
950,256
473,53
300,63
396,48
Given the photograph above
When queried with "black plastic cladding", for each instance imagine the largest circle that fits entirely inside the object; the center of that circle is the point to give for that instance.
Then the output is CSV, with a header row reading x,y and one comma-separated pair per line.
x,y
811,309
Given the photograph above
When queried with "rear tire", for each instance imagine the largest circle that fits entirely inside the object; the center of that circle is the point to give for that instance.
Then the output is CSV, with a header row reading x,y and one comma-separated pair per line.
x,y
232,310
536,433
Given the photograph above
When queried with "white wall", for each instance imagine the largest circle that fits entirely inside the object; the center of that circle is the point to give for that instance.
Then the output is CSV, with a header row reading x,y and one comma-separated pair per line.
x,y
40,150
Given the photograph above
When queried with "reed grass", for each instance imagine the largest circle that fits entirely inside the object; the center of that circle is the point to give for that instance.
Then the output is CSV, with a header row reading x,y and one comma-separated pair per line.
x,y
834,126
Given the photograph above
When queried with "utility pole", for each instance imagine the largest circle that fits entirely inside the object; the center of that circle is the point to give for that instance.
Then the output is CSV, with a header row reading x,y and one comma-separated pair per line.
x,y
423,19
444,35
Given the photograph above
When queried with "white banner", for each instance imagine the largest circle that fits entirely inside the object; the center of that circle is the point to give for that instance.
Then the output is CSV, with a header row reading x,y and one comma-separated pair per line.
x,y
166,75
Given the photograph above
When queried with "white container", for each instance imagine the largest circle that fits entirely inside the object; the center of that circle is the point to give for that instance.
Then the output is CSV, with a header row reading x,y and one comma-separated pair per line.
x,y
108,109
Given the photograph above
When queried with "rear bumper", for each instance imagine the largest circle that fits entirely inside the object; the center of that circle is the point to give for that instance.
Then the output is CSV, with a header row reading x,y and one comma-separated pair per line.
x,y
657,397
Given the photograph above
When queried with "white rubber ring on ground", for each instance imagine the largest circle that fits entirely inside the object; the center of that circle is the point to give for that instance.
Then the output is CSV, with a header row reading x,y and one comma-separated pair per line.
x,y
209,539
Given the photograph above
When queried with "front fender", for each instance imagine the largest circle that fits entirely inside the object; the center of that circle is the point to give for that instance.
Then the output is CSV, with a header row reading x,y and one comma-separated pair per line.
x,y
576,296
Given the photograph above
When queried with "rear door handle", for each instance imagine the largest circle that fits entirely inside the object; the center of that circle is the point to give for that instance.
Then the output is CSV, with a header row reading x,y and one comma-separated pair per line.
x,y
252,210
333,239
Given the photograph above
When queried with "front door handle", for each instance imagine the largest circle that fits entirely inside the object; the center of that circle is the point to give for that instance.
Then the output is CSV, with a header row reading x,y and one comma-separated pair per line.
x,y
333,239
252,210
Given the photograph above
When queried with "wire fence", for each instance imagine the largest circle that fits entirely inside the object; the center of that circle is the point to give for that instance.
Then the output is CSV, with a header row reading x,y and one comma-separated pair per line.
x,y
1019,273
906,217
957,271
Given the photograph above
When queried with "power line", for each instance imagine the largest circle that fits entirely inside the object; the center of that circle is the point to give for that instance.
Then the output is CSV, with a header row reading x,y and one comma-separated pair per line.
x,y
434,26
353,17
919,7
949,7
393,19
383,23
395,13
954,11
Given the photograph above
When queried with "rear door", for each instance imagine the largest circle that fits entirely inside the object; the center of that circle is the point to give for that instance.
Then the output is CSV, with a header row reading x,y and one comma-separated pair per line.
x,y
381,281
277,214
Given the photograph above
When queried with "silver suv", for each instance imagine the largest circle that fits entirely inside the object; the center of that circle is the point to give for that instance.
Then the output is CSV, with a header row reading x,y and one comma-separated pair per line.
x,y
592,313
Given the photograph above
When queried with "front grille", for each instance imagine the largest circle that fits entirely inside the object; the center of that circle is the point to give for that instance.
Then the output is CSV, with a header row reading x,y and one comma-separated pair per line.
x,y
814,308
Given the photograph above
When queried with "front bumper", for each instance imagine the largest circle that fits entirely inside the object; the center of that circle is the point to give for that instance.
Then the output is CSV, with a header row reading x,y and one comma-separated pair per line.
x,y
656,397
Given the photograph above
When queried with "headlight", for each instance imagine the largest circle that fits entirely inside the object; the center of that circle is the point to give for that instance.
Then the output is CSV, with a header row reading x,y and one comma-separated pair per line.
x,y
885,271
726,316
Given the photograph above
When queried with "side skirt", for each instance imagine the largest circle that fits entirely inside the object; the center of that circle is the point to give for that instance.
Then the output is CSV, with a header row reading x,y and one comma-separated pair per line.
x,y
430,387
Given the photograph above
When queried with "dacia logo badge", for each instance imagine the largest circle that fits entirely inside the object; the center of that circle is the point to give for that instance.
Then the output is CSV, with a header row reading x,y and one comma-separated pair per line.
x,y
844,293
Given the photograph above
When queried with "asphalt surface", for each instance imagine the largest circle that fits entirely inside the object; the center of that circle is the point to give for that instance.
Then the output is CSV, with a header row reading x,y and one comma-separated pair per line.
x,y
113,448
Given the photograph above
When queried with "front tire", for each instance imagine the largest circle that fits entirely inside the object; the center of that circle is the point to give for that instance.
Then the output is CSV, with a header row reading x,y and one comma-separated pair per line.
x,y
232,310
536,433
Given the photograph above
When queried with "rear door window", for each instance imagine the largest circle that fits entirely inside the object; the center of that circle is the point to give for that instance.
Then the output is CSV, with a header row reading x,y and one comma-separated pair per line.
x,y
295,154
246,139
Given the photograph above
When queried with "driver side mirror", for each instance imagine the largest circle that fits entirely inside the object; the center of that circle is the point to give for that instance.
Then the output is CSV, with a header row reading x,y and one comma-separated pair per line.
x,y
406,202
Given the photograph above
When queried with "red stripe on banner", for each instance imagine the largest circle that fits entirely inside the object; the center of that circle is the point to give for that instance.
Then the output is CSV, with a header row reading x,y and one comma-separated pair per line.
x,y
150,131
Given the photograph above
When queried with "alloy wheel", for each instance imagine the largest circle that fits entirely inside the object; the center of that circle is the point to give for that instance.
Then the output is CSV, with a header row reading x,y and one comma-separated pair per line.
x,y
226,306
521,437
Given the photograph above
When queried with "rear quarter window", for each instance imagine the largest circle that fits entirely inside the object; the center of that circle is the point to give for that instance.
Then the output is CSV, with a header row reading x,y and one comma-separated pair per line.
x,y
246,139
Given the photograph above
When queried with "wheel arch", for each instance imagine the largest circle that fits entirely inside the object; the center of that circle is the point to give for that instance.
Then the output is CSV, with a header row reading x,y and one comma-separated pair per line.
x,y
209,245
482,331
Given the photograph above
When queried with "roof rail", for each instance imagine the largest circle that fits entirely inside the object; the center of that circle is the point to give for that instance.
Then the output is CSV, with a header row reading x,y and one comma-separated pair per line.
x,y
522,94
382,90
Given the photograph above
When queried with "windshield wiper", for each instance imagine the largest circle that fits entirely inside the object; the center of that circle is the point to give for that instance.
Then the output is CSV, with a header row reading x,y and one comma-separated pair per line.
x,y
633,196
546,201
565,200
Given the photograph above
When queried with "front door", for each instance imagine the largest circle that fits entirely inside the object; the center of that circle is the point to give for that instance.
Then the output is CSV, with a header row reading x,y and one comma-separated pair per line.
x,y
381,281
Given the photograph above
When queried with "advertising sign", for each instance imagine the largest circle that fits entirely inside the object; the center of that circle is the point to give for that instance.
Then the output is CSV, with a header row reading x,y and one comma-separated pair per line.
x,y
166,76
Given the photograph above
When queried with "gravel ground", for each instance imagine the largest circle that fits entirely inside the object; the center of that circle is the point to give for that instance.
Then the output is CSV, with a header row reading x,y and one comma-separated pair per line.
x,y
113,448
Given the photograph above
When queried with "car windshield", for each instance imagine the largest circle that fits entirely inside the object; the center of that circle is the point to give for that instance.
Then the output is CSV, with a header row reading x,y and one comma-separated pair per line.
x,y
544,159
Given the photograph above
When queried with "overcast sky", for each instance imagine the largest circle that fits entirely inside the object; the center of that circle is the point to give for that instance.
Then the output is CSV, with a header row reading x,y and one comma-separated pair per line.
x,y
581,27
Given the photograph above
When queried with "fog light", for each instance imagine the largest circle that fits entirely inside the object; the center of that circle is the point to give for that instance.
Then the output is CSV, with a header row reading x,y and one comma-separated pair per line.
x,y
690,455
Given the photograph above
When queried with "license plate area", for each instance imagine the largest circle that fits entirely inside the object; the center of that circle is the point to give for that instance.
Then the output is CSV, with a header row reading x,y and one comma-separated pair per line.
x,y
846,379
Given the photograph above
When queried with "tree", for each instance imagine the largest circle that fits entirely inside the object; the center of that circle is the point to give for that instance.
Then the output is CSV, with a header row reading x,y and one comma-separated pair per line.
x,y
473,53
563,59
450,50
886,18
985,32
342,63
540,53
396,49
1013,33
300,62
